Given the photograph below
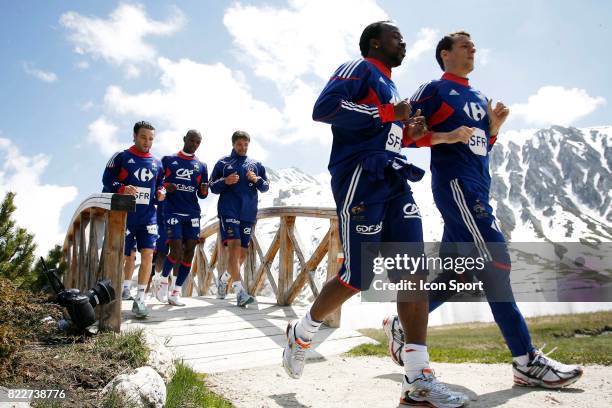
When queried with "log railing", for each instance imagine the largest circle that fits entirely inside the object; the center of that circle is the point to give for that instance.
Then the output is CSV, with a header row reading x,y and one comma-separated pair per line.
x,y
93,249
257,268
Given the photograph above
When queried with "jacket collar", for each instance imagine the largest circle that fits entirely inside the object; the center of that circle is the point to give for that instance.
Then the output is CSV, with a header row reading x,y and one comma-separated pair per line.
x,y
138,153
381,67
456,78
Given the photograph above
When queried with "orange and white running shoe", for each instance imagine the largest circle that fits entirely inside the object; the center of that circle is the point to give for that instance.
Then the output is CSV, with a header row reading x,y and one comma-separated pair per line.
x,y
294,355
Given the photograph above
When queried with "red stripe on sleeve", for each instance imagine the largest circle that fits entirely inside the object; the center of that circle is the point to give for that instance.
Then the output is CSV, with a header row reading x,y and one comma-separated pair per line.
x,y
441,115
122,174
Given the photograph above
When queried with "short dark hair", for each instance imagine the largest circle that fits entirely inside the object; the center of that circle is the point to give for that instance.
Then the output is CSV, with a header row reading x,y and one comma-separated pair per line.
x,y
240,134
446,44
193,132
370,32
142,125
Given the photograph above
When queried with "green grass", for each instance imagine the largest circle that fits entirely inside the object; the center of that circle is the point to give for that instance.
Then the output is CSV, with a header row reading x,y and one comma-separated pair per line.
x,y
579,338
127,346
187,389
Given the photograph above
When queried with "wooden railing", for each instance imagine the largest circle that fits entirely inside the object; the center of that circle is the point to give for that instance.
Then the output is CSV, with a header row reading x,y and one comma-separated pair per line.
x,y
257,268
93,249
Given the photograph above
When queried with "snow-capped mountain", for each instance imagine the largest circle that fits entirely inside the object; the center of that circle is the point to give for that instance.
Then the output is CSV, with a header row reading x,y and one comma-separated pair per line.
x,y
554,184
549,184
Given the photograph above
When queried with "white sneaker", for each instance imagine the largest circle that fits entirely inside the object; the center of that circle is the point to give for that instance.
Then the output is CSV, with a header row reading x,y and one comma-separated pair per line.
x,y
126,294
161,292
295,352
174,300
221,288
244,299
395,337
543,371
427,391
140,309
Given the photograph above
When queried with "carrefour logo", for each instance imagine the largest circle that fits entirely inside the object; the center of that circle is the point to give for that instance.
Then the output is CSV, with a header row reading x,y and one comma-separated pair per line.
x,y
144,174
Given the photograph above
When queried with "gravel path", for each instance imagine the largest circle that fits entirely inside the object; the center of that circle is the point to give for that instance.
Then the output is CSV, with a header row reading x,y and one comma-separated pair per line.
x,y
373,382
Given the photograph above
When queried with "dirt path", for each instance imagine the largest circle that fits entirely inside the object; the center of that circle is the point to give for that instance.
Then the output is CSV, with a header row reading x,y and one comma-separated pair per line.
x,y
376,382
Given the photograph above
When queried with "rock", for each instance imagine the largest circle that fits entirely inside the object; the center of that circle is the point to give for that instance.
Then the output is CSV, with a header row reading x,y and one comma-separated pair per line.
x,y
160,357
142,388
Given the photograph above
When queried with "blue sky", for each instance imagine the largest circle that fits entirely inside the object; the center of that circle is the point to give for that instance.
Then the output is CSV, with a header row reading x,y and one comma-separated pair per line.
x,y
77,75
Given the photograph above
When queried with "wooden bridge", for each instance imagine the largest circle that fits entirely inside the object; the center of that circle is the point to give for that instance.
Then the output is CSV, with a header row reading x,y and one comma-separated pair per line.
x,y
210,334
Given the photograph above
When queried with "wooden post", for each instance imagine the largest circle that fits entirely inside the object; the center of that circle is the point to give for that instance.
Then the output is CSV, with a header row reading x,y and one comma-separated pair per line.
x,y
112,255
333,266
83,278
74,262
285,265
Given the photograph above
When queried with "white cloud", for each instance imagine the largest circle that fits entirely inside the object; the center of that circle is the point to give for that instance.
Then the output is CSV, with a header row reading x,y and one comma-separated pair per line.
x,y
556,105
426,40
483,56
38,205
87,106
211,98
120,39
82,65
307,37
45,76
281,47
297,47
103,134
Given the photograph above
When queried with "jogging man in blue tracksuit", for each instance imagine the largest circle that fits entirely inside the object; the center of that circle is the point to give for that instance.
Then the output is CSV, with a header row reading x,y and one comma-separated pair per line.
x,y
237,179
135,171
186,181
373,200
460,184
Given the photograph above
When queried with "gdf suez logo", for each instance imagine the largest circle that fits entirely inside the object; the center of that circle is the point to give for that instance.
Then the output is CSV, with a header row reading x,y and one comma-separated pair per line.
x,y
474,111
369,229
144,174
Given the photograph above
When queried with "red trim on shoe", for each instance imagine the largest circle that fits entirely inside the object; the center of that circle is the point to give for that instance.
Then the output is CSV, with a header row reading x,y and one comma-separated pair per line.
x,y
301,343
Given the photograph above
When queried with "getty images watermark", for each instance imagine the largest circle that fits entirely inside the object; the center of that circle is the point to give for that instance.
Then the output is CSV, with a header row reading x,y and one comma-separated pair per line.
x,y
405,264
497,272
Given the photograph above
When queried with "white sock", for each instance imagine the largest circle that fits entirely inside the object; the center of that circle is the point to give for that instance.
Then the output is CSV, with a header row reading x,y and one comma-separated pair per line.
x,y
521,360
127,283
163,279
225,277
237,286
140,296
175,291
173,283
416,358
307,327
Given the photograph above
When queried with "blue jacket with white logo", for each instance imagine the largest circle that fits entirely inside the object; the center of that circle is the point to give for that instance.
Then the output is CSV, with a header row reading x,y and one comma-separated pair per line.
x,y
238,200
141,170
447,104
188,174
358,103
